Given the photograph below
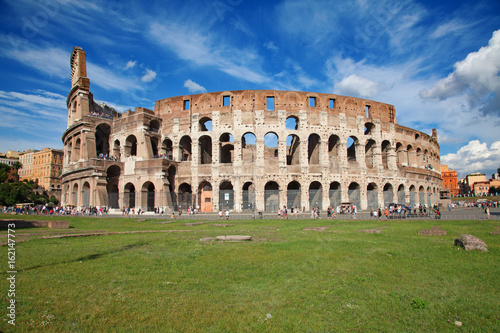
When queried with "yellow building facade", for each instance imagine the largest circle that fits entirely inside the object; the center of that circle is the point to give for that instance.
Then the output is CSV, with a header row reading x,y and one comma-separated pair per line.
x,y
47,166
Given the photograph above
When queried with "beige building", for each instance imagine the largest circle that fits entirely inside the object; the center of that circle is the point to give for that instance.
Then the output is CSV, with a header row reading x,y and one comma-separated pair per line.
x,y
47,167
26,160
243,150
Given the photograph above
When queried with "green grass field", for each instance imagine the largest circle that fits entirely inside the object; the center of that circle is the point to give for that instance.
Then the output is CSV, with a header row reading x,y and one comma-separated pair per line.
x,y
284,280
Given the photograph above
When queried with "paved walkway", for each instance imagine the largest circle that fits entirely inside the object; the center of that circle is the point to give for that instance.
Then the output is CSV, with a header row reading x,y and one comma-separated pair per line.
x,y
454,214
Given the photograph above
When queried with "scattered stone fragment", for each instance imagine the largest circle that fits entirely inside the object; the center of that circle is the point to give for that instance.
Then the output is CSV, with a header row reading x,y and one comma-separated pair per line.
x,y
208,239
222,225
317,228
458,323
496,232
191,224
374,231
469,242
434,231
163,222
234,238
140,220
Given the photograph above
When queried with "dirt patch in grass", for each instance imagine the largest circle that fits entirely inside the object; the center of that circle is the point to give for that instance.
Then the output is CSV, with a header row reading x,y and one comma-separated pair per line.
x,y
434,231
192,224
496,232
222,225
324,228
374,230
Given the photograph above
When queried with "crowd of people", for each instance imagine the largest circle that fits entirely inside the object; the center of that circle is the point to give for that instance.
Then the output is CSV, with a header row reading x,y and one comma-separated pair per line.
x,y
55,210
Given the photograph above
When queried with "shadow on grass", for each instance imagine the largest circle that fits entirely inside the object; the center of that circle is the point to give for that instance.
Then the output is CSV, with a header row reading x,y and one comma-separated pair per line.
x,y
89,257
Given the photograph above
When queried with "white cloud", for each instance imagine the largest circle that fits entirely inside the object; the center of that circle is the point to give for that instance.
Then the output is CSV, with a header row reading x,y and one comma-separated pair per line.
x,y
148,76
476,76
194,87
474,157
358,86
270,45
130,64
202,50
447,28
109,80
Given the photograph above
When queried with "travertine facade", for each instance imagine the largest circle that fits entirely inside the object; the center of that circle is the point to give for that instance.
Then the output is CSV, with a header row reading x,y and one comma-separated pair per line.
x,y
243,149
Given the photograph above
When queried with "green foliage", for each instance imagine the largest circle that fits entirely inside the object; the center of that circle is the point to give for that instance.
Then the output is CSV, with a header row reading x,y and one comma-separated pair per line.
x,y
54,200
418,303
15,192
4,172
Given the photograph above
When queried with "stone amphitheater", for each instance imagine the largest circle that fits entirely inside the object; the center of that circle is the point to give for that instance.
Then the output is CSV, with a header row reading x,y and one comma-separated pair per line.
x,y
243,150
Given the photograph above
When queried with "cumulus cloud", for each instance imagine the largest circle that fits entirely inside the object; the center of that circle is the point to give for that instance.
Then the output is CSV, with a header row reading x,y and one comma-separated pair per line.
x,y
130,64
476,76
148,76
474,157
358,86
194,87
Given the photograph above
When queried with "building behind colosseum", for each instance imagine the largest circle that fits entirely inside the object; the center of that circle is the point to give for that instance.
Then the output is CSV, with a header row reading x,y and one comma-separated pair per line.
x,y
243,150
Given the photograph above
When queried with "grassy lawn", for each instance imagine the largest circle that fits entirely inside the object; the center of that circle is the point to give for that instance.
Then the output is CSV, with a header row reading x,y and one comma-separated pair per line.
x,y
285,280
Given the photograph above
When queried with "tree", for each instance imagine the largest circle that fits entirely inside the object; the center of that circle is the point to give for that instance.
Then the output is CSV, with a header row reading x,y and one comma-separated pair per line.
x,y
4,172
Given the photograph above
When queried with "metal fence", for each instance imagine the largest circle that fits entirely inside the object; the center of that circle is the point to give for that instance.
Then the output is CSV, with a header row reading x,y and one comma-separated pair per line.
x,y
293,198
372,198
315,199
226,199
271,200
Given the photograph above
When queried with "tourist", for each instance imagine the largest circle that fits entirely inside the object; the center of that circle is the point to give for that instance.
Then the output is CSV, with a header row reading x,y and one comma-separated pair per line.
x,y
227,214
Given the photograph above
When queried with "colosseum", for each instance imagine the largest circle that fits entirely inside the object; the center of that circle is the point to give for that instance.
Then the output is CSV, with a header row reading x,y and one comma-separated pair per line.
x,y
243,150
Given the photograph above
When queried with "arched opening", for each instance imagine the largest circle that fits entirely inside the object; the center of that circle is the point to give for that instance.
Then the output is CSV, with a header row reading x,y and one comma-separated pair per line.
x,y
167,149
401,195
131,146
205,146
293,195
412,155
420,162
400,154
292,123
388,195
368,128
386,146
75,194
335,194
354,194
185,148
226,196
154,126
369,152
205,195
292,150
226,151
154,147
248,202
86,194
313,148
76,151
372,196
116,149
129,196
102,133
248,147
205,124
315,195
271,196
185,196
412,195
112,177
148,196
352,141
333,151
421,195
271,149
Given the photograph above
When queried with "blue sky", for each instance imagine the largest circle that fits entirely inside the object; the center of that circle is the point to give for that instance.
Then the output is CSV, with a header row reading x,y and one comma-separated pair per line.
x,y
437,62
